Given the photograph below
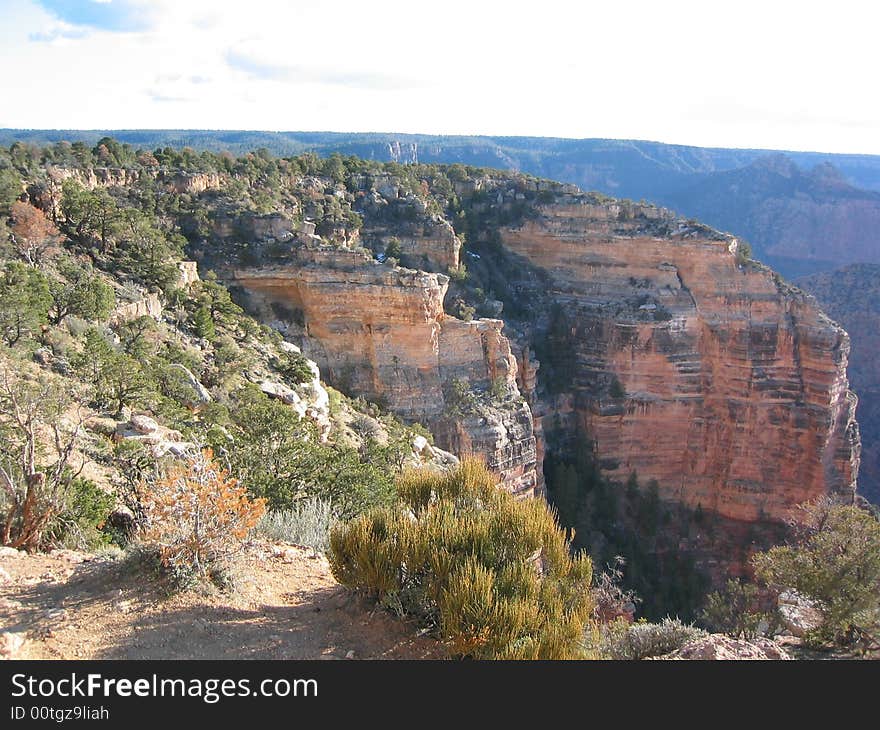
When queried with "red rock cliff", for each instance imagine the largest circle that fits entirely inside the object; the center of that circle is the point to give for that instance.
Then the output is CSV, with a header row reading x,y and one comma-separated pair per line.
x,y
709,375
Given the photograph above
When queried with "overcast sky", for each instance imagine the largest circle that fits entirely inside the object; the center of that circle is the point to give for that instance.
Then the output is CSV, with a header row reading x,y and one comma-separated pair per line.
x,y
767,74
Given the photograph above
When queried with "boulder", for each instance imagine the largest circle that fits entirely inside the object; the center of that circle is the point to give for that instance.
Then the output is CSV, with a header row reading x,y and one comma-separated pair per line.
x,y
11,644
719,646
202,394
161,440
799,615
282,392
144,424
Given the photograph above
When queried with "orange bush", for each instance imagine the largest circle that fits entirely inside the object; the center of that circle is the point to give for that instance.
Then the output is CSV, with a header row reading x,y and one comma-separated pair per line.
x,y
197,517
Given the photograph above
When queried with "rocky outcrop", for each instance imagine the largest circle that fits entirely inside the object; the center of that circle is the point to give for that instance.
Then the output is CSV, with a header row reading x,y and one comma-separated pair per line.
x,y
193,183
46,195
688,366
149,306
381,332
798,614
309,399
253,227
398,217
200,392
159,439
189,273
432,244
721,647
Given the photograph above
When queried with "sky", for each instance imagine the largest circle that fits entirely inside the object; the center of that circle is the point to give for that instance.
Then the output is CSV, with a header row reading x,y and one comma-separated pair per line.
x,y
770,74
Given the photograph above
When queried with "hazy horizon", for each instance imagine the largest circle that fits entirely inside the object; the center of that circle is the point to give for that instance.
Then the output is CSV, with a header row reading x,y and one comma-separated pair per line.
x,y
221,130
778,76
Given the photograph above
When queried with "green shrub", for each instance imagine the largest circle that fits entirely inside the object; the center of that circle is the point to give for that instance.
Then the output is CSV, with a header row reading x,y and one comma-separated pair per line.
x,y
642,640
294,367
459,397
81,293
278,455
79,525
465,311
743,252
499,389
203,323
835,562
492,574
458,273
392,250
24,301
741,610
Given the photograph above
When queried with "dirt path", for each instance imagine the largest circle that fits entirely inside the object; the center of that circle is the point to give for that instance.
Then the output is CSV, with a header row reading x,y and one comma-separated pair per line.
x,y
286,606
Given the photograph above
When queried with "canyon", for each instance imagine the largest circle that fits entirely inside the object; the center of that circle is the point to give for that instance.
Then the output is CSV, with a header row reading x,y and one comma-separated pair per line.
x,y
686,363
528,323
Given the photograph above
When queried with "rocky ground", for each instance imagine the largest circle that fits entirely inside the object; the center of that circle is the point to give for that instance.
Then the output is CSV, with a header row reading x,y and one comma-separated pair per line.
x,y
70,605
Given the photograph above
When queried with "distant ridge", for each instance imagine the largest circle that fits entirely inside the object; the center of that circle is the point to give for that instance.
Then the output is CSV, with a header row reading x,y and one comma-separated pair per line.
x,y
629,168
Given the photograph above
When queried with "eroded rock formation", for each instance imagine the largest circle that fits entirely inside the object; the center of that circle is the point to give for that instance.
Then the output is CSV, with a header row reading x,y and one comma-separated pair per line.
x,y
381,332
687,366
684,362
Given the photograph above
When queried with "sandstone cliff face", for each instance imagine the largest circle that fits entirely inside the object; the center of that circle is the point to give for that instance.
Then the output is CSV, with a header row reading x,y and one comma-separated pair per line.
x,y
852,297
432,244
381,332
252,227
707,375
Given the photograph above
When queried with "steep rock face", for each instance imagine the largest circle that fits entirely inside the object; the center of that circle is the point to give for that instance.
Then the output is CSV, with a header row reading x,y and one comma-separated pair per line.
x,y
381,332
710,376
274,226
432,244
852,297
149,306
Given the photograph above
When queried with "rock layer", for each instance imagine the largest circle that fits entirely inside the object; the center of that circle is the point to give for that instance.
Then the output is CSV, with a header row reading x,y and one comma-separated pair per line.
x,y
703,372
380,332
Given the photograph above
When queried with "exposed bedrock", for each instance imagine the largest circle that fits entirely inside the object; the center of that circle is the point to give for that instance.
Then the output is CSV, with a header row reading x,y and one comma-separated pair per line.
x,y
380,332
709,375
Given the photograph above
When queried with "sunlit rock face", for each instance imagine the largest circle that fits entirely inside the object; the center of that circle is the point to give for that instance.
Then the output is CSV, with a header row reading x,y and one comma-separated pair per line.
x,y
707,374
380,332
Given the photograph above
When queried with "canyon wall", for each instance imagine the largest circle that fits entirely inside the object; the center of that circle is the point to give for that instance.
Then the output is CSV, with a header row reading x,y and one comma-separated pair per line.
x,y
380,332
688,366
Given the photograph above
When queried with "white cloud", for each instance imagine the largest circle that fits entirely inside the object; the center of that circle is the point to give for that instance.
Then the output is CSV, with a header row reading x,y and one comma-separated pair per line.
x,y
750,74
